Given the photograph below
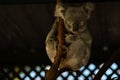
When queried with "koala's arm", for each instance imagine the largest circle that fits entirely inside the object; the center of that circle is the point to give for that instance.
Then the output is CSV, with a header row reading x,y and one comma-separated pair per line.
x,y
52,35
52,42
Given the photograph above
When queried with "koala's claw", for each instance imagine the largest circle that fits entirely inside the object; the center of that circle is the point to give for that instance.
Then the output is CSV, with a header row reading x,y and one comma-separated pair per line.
x,y
64,48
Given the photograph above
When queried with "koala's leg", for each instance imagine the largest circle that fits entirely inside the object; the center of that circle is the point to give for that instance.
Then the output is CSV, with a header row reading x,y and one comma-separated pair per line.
x,y
52,42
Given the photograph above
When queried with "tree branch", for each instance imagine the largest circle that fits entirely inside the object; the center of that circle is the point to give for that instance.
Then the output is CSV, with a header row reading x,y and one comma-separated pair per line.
x,y
53,73
107,64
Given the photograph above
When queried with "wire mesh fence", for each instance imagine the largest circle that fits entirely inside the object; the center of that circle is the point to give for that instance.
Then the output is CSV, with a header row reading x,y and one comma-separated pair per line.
x,y
37,72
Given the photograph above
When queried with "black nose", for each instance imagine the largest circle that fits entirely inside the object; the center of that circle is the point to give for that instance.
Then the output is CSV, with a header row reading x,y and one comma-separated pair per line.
x,y
75,27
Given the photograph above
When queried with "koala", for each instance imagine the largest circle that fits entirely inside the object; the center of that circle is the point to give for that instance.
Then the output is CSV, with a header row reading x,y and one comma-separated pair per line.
x,y
77,37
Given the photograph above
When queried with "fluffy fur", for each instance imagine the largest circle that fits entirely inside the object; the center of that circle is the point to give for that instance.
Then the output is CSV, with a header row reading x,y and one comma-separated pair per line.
x,y
77,37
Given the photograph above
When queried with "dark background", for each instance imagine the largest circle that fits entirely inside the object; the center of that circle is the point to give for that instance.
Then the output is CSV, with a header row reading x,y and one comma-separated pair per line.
x,y
24,27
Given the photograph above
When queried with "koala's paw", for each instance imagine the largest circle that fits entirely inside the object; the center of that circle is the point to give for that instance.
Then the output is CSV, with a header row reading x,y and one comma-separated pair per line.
x,y
59,11
64,48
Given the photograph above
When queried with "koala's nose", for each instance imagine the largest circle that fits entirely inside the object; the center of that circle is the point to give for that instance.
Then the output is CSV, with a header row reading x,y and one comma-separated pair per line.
x,y
75,27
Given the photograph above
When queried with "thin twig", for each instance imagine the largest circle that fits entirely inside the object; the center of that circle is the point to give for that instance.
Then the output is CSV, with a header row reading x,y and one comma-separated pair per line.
x,y
107,64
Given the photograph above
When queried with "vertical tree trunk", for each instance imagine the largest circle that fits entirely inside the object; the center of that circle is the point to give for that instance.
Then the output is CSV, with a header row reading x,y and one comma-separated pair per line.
x,y
52,74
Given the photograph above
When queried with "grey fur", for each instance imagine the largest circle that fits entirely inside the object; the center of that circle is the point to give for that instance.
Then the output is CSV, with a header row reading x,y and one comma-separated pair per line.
x,y
76,35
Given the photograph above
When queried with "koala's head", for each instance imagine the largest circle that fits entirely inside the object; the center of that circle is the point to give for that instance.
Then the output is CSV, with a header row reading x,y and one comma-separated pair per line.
x,y
75,17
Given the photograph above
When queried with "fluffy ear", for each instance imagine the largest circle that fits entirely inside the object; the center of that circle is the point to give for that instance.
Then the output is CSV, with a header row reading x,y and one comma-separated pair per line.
x,y
88,8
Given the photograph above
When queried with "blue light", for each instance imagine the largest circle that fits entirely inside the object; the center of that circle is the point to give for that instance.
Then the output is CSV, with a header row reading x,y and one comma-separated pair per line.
x,y
32,74
27,68
101,65
38,78
96,71
89,78
47,67
27,78
42,73
104,77
114,75
114,66
118,71
65,74
22,74
109,71
74,73
59,78
86,72
82,68
37,68
91,67
70,77
81,77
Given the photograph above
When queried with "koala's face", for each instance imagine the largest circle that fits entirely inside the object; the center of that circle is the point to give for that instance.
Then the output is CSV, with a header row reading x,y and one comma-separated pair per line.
x,y
76,17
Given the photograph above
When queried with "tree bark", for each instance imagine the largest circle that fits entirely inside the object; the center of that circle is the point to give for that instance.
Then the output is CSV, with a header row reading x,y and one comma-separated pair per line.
x,y
53,73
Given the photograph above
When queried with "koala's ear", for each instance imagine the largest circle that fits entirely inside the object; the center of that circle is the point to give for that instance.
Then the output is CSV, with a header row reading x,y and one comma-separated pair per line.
x,y
88,8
